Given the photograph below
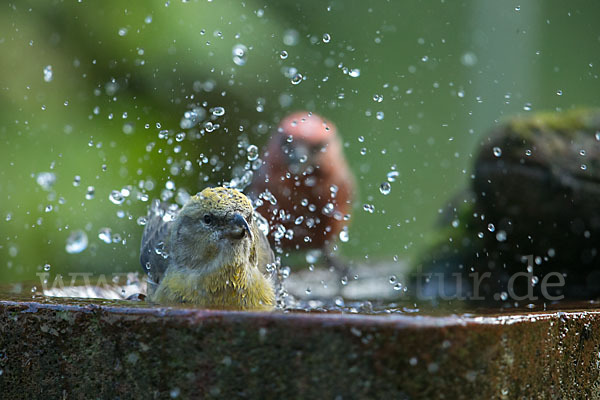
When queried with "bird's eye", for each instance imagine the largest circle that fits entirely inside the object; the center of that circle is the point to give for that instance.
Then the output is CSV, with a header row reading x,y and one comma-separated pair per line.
x,y
207,219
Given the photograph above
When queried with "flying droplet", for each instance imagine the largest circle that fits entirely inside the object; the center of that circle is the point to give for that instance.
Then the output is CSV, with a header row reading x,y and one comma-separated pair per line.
x,y
354,73
46,180
252,152
116,197
218,111
291,37
297,78
385,188
48,74
326,38
240,54
392,175
76,242
91,191
501,236
344,236
497,151
105,234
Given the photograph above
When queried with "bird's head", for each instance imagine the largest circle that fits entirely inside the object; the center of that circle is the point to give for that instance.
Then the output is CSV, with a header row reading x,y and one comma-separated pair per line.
x,y
215,228
306,143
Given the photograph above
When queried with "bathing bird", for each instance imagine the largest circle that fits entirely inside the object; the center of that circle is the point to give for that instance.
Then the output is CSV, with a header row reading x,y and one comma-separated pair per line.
x,y
304,187
210,253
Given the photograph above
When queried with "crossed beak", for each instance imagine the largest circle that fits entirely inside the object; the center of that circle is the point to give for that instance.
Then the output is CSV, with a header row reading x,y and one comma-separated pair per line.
x,y
238,228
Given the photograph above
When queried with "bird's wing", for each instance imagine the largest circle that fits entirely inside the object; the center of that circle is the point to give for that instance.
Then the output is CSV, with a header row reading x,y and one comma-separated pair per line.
x,y
153,247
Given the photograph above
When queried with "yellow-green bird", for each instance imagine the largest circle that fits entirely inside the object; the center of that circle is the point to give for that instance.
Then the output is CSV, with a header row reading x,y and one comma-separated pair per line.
x,y
210,253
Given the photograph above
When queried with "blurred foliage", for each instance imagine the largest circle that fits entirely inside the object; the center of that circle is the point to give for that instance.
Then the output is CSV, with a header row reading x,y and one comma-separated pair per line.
x,y
124,72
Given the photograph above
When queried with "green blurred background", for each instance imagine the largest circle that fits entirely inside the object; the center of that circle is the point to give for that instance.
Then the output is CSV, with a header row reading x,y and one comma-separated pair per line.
x,y
100,90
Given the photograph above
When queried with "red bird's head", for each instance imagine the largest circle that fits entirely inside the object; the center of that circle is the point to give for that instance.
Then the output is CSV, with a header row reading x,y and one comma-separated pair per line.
x,y
305,143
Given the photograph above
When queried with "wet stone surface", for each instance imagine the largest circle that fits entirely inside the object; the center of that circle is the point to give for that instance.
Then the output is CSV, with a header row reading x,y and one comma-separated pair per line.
x,y
115,349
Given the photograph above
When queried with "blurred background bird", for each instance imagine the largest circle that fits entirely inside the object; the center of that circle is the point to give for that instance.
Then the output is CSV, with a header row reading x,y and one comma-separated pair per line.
x,y
210,253
304,188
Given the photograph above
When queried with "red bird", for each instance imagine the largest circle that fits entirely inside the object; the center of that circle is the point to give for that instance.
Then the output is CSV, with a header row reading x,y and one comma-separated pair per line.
x,y
305,187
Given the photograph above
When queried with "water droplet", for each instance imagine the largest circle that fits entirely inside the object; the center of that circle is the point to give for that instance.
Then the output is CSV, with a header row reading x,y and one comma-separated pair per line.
x,y
91,191
328,209
503,296
379,115
252,152
312,256
370,208
326,38
47,267
398,286
392,175
455,223
297,78
116,197
344,280
344,236
491,227
378,98
501,236
128,128
468,59
76,242
534,280
582,152
46,180
385,188
354,73
497,151
518,8
122,32
283,54
105,234
527,107
218,111
240,54
597,135
180,136
48,208
291,37
559,92
148,19
48,74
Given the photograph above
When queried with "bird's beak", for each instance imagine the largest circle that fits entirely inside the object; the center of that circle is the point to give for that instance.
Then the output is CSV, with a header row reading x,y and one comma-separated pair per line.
x,y
238,227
